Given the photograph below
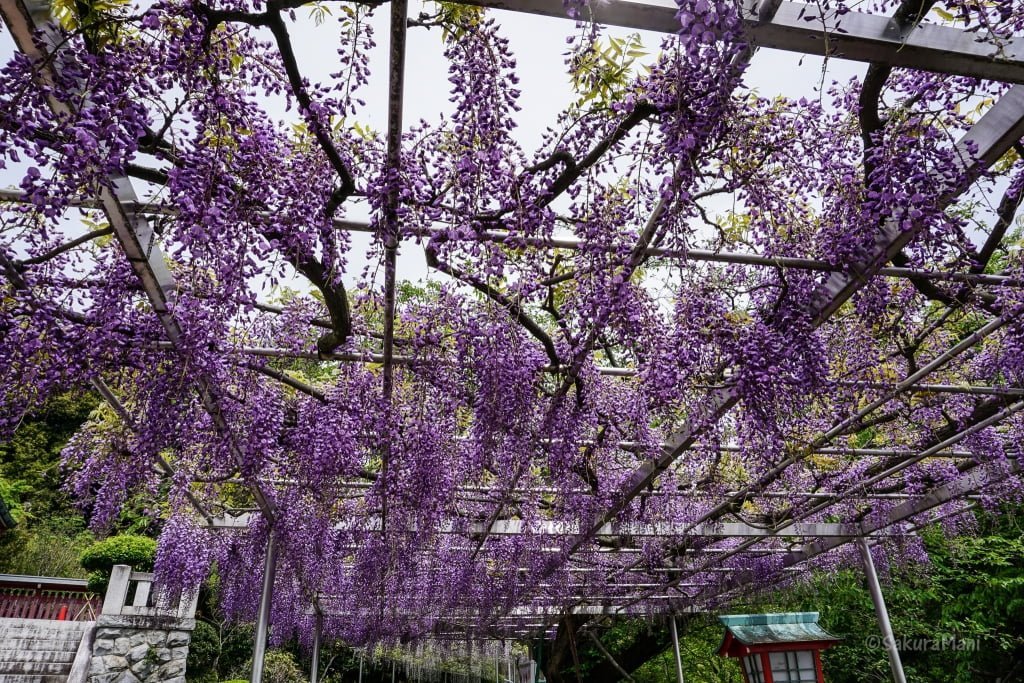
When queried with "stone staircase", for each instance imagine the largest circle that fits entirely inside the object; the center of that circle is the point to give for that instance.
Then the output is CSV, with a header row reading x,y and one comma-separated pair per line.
x,y
39,650
45,638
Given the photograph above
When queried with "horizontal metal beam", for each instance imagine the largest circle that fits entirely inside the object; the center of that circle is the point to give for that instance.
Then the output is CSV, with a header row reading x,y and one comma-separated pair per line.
x,y
800,27
667,529
572,244
976,479
517,613
362,485
515,527
596,610
612,371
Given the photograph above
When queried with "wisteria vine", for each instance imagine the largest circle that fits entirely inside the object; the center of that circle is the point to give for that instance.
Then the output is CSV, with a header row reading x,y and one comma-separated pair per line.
x,y
573,323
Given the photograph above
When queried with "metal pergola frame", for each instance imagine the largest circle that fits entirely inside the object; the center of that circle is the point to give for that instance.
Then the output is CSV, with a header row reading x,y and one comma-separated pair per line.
x,y
775,24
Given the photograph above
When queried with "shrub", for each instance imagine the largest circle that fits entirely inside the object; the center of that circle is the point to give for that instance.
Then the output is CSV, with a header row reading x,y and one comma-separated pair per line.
x,y
236,649
203,649
279,667
137,552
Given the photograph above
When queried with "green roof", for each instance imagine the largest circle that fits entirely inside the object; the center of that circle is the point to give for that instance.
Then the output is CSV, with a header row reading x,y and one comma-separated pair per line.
x,y
788,627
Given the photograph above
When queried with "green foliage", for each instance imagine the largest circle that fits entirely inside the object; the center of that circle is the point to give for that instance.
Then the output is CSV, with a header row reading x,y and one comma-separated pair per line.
x,y
699,639
1009,253
203,650
43,551
51,532
219,649
236,647
601,71
455,18
279,666
30,463
319,12
138,552
99,20
644,648
11,509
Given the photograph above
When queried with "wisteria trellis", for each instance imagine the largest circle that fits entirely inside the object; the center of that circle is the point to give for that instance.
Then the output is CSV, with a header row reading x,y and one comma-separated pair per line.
x,y
611,399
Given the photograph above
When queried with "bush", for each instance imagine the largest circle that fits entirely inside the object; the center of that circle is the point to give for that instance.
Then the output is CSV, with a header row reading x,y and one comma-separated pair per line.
x,y
236,649
203,649
138,552
281,667
278,667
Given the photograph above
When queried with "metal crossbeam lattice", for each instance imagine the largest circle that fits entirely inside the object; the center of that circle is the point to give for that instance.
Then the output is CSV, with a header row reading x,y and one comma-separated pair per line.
x,y
800,27
514,527
789,26
992,136
976,479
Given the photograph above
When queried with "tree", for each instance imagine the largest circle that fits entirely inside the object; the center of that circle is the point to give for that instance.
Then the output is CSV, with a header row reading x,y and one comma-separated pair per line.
x,y
602,654
51,531
597,353
30,462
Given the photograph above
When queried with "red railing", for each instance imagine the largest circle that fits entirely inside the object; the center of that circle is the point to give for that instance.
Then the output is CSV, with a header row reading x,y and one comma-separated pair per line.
x,y
43,597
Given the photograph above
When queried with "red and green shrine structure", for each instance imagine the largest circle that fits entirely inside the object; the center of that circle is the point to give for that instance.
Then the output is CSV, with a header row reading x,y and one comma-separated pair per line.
x,y
776,648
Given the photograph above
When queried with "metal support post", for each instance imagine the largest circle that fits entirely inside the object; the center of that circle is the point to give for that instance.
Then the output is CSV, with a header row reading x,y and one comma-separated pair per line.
x,y
881,612
675,649
314,666
259,648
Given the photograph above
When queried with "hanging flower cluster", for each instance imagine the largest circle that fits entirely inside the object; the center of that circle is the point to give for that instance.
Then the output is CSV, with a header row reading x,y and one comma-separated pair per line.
x,y
629,334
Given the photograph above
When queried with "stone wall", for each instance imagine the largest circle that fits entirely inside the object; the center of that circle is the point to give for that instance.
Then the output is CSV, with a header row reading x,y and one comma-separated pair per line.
x,y
136,649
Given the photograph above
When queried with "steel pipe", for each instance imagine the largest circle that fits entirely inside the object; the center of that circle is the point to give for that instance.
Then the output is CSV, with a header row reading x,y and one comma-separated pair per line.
x,y
259,648
314,665
888,639
675,650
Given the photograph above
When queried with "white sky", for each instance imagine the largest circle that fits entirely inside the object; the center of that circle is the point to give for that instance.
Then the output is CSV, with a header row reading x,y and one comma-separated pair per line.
x,y
537,42
539,45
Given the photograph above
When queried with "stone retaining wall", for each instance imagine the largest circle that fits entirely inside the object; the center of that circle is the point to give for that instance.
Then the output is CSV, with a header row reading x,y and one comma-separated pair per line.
x,y
140,650
140,642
